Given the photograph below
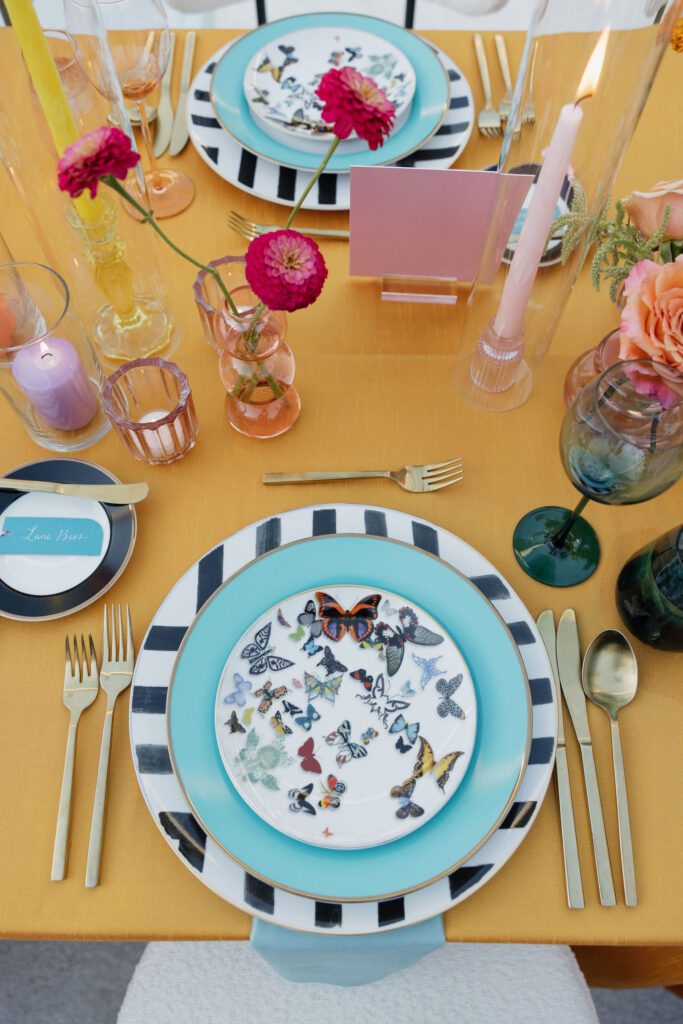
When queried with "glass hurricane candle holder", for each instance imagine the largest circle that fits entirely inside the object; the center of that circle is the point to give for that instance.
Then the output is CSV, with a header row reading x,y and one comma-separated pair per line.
x,y
589,66
49,371
149,403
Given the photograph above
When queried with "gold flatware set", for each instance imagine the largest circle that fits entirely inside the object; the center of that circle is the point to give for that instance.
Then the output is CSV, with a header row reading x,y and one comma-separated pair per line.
x,y
608,677
82,681
491,119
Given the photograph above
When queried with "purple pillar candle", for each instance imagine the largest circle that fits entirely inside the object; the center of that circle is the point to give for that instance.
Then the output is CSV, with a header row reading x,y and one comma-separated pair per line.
x,y
53,378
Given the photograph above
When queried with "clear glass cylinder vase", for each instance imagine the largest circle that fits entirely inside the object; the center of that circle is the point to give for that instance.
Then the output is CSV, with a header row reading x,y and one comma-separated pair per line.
x,y
31,139
49,370
589,66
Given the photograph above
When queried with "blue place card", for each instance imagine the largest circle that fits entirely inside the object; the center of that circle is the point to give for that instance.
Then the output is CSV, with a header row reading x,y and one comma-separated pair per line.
x,y
42,535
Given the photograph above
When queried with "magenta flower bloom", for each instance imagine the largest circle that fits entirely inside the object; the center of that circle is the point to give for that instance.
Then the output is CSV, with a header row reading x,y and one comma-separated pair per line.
x,y
285,269
355,104
99,153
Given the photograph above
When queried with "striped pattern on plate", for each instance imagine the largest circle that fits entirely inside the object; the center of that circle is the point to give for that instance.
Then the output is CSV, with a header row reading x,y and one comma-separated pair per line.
x,y
165,799
268,180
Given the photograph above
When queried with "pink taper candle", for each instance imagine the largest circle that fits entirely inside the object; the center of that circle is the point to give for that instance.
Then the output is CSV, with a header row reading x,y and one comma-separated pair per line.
x,y
524,267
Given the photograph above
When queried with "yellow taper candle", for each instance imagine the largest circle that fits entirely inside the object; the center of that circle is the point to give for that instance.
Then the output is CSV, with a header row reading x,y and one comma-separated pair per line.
x,y
45,77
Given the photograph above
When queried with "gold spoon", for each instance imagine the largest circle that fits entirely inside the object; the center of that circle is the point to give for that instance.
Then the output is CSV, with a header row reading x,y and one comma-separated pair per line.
x,y
610,679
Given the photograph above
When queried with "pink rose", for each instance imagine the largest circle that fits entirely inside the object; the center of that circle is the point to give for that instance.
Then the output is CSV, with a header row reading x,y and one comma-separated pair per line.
x,y
646,209
652,319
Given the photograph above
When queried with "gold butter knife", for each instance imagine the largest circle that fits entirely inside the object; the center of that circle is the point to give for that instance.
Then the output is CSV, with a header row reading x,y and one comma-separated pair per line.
x,y
572,866
110,494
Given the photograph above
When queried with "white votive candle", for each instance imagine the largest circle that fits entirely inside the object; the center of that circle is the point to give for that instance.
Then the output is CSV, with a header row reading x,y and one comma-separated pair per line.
x,y
160,442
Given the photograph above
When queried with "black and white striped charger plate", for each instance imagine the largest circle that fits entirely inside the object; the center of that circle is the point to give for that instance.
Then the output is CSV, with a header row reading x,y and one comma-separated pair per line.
x,y
268,180
165,798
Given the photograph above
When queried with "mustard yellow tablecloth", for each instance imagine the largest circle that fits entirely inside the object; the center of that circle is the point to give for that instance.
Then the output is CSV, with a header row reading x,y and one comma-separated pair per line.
x,y
375,381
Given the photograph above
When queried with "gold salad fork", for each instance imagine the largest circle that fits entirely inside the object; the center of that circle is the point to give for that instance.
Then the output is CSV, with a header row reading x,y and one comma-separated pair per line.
x,y
115,675
488,121
252,229
431,477
80,690
505,105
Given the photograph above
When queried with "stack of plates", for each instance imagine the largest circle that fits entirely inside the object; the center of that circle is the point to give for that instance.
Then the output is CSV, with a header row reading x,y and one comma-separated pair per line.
x,y
253,112
342,718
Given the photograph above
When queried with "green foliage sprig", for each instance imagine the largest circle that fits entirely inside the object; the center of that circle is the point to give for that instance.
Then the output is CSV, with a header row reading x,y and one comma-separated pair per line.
x,y
619,244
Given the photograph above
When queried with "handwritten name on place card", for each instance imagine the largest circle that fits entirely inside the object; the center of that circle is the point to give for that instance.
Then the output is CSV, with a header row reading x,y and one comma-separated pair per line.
x,y
33,535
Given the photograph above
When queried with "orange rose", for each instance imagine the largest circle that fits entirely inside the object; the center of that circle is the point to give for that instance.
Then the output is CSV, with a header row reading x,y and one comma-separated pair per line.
x,y
652,319
646,209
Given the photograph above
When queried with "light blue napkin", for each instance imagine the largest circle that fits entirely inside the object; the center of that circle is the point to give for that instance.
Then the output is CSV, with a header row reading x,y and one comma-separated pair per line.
x,y
344,959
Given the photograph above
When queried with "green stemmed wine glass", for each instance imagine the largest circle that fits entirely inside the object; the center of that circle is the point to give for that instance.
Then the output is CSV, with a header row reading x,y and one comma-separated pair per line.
x,y
621,442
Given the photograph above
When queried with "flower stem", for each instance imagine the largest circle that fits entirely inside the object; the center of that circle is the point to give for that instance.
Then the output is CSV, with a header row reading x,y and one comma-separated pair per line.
x,y
148,218
321,168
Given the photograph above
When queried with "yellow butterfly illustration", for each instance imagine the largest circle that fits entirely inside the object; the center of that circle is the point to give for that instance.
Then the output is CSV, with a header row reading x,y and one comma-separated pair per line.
x,y
426,763
246,717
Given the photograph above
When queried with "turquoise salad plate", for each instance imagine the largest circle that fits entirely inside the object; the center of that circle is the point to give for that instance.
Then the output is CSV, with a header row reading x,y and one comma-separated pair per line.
x,y
428,109
501,746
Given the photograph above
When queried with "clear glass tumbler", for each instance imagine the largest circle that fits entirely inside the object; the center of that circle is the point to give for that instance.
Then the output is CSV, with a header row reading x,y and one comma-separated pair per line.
x,y
149,403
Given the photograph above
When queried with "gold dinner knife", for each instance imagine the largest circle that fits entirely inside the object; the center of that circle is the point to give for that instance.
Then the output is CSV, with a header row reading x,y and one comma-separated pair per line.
x,y
180,133
164,126
569,664
572,866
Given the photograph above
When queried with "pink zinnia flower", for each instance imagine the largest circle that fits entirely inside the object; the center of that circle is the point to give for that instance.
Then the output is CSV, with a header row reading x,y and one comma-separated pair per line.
x,y
355,104
99,153
285,269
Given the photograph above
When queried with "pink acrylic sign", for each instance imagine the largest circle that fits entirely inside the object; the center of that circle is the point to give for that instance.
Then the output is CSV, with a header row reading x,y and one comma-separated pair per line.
x,y
415,222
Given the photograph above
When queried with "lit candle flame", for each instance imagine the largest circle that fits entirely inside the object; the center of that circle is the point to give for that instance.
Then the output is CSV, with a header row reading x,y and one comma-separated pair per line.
x,y
589,82
45,350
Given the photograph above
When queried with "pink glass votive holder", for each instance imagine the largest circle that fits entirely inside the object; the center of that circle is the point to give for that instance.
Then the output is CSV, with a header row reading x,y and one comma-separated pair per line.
x,y
150,406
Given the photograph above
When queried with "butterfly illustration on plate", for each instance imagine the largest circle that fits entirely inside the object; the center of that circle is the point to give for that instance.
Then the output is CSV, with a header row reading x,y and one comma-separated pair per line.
x,y
297,682
268,695
342,738
374,645
407,690
361,675
447,706
238,695
282,620
298,634
327,833
307,720
405,805
326,689
428,667
368,735
337,621
246,717
233,724
330,663
276,70
387,609
411,729
331,792
309,763
299,798
354,52
426,764
260,656
281,728
290,709
410,631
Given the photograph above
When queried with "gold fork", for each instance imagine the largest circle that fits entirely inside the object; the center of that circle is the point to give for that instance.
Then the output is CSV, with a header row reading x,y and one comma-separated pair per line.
x,y
252,229
115,675
488,121
529,110
505,105
80,690
431,477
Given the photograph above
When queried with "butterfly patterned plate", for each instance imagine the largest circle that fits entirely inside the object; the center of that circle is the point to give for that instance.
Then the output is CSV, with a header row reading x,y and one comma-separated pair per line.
x,y
502,718
258,176
204,856
426,112
345,748
281,79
